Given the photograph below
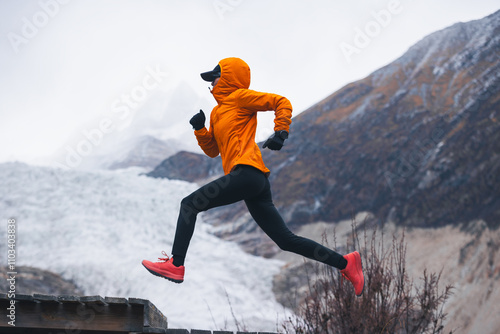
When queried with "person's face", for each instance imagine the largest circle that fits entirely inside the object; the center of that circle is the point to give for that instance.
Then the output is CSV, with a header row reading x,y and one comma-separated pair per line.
x,y
215,81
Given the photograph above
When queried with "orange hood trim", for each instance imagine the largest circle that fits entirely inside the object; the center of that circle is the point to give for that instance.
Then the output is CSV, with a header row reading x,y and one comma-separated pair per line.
x,y
235,74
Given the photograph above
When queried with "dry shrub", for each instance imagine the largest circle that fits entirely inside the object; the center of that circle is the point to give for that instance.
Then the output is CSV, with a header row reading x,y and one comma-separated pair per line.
x,y
391,302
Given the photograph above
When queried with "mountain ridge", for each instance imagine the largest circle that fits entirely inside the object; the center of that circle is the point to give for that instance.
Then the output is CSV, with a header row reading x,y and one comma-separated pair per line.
x,y
383,139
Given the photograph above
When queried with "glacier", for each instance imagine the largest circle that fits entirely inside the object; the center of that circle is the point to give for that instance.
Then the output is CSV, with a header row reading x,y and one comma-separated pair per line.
x,y
95,228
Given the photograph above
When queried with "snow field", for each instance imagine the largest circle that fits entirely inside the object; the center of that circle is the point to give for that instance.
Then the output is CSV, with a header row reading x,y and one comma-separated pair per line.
x,y
95,228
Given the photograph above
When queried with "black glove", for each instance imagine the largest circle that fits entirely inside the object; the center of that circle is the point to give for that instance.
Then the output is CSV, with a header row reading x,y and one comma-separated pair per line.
x,y
198,120
276,141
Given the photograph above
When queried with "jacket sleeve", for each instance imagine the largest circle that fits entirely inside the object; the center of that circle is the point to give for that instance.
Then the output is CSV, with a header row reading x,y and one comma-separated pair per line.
x,y
251,101
207,141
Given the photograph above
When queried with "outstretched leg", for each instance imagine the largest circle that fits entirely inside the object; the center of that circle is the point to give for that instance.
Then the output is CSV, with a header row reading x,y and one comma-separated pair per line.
x,y
268,218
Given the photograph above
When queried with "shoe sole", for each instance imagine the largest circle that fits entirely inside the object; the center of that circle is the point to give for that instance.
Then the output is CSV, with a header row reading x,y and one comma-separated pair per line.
x,y
165,277
359,269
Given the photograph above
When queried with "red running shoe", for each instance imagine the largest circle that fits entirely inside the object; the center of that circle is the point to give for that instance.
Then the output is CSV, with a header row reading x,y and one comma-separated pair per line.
x,y
165,268
354,273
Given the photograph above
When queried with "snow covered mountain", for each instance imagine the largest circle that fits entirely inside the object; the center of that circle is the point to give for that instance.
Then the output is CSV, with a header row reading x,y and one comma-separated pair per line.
x,y
135,151
142,134
95,228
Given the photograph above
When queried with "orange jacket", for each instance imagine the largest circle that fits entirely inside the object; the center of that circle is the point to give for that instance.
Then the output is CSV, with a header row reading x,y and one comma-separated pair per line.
x,y
233,122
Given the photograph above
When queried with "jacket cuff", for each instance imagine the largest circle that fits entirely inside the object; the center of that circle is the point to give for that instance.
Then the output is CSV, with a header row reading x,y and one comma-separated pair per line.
x,y
201,132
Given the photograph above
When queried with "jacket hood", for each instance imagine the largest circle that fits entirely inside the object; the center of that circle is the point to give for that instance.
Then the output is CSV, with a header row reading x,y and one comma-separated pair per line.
x,y
235,74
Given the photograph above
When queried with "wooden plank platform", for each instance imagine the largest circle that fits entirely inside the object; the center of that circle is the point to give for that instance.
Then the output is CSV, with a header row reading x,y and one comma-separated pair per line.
x,y
44,314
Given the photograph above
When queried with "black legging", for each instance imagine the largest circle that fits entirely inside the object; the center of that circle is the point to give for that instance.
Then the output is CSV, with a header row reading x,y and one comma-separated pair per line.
x,y
251,185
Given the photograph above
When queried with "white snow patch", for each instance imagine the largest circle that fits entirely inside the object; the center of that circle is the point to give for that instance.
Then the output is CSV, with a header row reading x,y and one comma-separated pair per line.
x,y
95,228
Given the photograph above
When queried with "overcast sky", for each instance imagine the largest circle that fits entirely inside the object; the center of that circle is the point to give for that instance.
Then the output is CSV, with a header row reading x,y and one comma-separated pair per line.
x,y
64,63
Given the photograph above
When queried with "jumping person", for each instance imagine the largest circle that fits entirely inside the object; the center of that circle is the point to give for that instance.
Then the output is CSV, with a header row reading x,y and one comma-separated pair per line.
x,y
233,124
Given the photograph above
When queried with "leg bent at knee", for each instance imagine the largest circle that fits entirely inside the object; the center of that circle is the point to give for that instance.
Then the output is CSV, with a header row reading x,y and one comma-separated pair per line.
x,y
189,210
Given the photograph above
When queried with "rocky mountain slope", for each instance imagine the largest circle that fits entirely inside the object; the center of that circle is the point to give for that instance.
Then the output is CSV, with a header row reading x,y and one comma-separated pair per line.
x,y
416,142
187,166
30,280
467,259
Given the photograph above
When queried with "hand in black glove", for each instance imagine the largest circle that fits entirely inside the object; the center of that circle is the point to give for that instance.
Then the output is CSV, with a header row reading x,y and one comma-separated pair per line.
x,y
198,120
276,141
